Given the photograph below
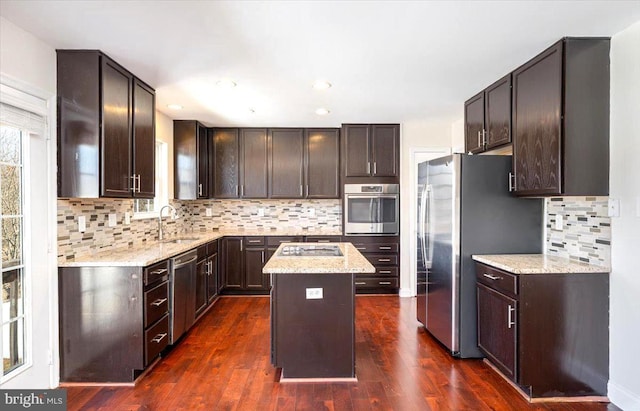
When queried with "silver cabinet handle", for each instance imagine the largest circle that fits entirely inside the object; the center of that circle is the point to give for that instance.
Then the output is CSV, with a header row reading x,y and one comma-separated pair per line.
x,y
138,178
384,248
159,302
479,132
210,265
262,256
254,241
158,272
384,282
237,192
375,167
492,277
199,189
368,167
133,183
385,271
510,321
158,338
512,182
360,283
241,245
300,190
361,248
242,190
484,137
384,260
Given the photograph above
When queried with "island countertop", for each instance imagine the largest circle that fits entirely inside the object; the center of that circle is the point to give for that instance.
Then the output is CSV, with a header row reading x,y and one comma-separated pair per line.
x,y
538,264
350,262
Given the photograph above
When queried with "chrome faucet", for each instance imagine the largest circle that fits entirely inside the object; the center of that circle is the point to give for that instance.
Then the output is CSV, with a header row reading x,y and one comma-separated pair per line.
x,y
160,232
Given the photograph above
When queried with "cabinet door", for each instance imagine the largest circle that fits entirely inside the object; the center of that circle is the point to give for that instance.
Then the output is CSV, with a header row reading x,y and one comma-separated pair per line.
x,y
117,93
474,124
497,111
497,328
203,161
385,156
233,263
537,106
212,280
253,170
253,262
201,285
323,163
356,152
185,150
144,140
286,162
227,160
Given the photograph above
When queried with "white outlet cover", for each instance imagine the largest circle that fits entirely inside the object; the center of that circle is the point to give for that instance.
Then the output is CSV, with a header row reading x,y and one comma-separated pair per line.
x,y
614,207
314,293
113,220
311,211
260,212
208,212
558,225
82,223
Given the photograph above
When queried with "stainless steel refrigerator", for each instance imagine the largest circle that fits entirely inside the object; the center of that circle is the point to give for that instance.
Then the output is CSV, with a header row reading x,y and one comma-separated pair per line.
x,y
465,208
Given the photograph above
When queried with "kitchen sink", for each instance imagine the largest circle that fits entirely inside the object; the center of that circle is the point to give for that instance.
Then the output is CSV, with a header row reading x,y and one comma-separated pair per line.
x,y
180,240
310,251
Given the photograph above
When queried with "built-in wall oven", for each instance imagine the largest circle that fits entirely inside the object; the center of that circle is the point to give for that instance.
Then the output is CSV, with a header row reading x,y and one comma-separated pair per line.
x,y
371,209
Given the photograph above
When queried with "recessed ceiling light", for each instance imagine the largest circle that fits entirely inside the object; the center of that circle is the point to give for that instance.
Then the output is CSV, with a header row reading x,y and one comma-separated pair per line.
x,y
175,106
322,111
226,83
321,85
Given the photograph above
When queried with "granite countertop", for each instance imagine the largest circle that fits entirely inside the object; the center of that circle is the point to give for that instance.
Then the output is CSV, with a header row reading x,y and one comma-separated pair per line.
x,y
141,255
350,262
538,264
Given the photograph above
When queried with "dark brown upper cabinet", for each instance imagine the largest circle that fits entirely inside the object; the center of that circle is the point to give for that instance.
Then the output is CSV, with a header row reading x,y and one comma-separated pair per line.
x,y
240,163
191,160
286,163
487,117
561,120
106,131
322,163
371,153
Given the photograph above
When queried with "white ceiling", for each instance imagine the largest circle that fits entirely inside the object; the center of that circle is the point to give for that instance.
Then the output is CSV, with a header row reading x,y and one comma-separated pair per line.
x,y
388,61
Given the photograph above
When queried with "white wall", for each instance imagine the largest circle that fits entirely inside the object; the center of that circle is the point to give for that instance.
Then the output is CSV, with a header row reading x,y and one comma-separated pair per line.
x,y
416,136
29,65
624,380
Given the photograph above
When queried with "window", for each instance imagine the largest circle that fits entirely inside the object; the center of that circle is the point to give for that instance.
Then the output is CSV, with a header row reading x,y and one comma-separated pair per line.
x,y
17,129
149,208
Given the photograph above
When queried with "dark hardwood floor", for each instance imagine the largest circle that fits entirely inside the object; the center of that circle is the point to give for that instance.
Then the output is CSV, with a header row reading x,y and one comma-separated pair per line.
x,y
223,363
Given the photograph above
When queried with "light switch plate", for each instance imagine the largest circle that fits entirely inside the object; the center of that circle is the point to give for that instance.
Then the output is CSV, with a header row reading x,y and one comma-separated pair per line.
x,y
208,212
558,225
614,207
82,223
112,220
261,212
314,293
127,217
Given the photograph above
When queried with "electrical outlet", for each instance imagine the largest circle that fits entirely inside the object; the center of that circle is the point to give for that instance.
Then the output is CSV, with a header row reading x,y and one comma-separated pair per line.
x,y
260,212
314,293
112,220
614,207
558,222
311,212
82,223
208,212
127,218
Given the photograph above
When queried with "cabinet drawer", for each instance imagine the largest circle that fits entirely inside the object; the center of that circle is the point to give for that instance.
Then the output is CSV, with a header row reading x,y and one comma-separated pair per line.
x,y
497,279
322,239
376,247
156,339
387,271
254,241
362,283
275,241
382,259
156,303
157,272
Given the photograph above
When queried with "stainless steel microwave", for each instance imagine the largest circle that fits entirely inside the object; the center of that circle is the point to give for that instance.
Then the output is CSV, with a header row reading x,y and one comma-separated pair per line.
x,y
371,209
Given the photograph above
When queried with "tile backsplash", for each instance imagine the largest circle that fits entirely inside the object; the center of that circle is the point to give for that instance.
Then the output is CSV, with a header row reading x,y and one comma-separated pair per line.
x,y
586,231
316,215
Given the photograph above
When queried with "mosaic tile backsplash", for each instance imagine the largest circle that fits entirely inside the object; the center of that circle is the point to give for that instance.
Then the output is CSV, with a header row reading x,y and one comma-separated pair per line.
x,y
315,215
586,233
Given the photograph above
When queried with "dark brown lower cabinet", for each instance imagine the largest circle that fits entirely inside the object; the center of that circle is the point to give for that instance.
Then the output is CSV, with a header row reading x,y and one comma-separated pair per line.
x,y
233,264
548,333
383,253
206,276
254,259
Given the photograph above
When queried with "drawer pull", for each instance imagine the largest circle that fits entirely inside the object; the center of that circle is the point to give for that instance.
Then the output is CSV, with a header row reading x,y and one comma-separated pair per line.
x,y
492,277
255,241
361,248
360,283
384,248
158,272
384,282
159,302
510,322
385,271
384,260
159,338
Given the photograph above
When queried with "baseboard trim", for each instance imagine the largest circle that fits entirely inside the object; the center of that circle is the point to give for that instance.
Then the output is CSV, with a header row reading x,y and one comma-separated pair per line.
x,y
406,293
622,397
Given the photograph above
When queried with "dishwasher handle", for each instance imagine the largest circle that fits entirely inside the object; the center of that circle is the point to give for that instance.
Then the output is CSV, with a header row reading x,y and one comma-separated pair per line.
x,y
184,259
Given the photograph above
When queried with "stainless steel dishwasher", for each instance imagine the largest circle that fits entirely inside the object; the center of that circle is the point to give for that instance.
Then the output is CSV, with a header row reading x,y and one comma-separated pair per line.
x,y
182,282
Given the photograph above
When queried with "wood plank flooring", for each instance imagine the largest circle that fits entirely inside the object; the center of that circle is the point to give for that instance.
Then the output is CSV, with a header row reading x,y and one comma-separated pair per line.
x,y
223,364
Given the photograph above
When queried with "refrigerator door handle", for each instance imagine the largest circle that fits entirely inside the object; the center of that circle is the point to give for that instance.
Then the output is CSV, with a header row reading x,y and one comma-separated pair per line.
x,y
424,217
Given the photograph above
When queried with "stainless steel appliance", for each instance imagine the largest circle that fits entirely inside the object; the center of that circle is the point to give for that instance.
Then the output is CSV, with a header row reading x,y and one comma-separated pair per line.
x,y
371,209
182,294
465,208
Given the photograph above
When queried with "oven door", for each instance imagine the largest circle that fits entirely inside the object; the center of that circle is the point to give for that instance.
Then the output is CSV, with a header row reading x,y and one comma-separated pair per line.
x,y
371,214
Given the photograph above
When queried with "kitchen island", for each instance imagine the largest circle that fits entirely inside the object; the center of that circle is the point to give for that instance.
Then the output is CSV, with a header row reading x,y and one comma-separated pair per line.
x,y
313,308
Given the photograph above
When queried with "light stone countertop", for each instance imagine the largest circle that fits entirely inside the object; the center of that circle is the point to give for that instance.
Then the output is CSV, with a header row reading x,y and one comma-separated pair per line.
x,y
538,264
351,262
141,255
